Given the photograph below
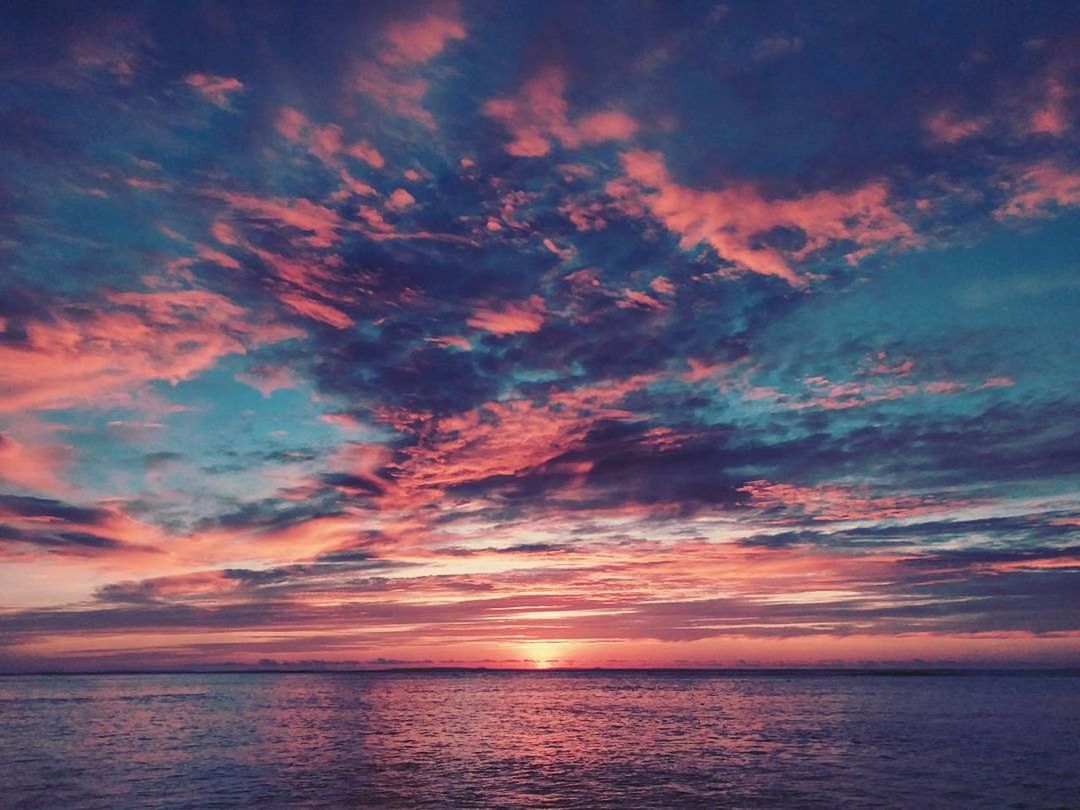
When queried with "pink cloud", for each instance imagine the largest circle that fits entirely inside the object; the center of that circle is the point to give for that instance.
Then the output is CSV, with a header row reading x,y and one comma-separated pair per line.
x,y
832,395
564,254
299,213
584,215
351,185
361,150
400,95
409,42
1039,189
188,586
883,386
209,254
633,299
511,318
882,365
400,199
147,184
841,502
391,79
310,307
216,89
584,281
457,341
344,421
116,44
375,221
605,126
104,358
224,233
326,142
1050,119
305,285
501,438
38,467
662,285
122,538
730,219
1036,107
291,123
538,115
943,387
945,127
702,370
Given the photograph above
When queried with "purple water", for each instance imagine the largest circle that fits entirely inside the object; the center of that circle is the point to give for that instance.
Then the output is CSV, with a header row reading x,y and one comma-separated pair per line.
x,y
538,740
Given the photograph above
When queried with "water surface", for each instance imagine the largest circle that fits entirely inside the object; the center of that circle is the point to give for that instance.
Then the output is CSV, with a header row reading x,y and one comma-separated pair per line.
x,y
491,739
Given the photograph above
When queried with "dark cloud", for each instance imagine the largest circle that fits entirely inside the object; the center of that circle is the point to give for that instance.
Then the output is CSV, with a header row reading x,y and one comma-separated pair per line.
x,y
32,507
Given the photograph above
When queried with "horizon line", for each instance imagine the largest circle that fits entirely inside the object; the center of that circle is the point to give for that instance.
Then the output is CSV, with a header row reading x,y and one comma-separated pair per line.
x,y
787,670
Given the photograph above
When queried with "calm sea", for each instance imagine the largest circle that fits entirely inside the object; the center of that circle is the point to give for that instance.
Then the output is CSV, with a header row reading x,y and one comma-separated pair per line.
x,y
539,740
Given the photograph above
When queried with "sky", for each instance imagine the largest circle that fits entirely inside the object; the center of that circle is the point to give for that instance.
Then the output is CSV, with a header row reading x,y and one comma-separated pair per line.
x,y
539,334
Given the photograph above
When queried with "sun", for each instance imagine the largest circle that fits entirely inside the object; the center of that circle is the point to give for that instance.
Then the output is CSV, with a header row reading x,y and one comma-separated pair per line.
x,y
545,654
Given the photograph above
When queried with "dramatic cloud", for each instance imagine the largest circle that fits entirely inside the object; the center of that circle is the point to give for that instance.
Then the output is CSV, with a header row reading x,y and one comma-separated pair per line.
x,y
439,331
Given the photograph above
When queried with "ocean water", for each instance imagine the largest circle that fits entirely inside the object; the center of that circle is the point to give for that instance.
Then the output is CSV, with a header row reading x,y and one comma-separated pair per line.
x,y
500,739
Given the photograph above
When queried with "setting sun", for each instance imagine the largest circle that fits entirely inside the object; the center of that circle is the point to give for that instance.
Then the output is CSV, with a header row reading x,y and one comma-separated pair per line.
x,y
545,654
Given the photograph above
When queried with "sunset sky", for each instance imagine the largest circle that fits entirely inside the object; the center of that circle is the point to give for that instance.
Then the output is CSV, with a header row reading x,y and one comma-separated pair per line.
x,y
539,334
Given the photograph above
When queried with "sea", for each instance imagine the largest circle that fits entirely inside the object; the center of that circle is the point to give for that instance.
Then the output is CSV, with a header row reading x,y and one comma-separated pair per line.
x,y
574,739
